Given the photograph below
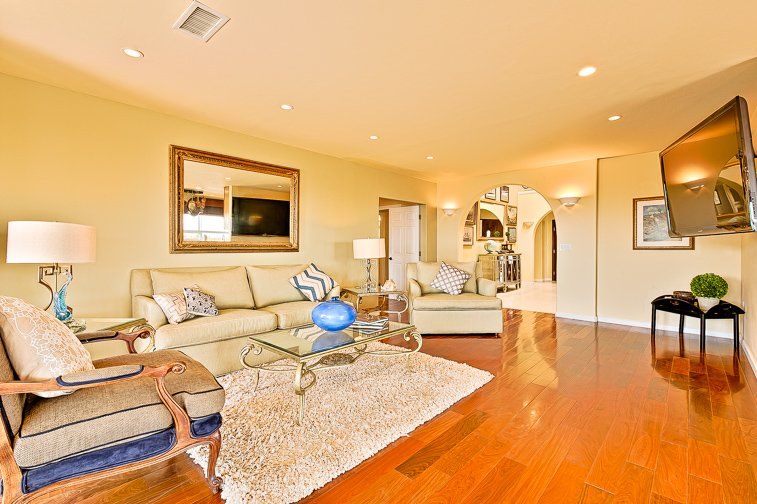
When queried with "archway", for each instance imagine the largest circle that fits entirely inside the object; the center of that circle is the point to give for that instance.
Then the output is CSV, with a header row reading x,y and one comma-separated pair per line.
x,y
497,230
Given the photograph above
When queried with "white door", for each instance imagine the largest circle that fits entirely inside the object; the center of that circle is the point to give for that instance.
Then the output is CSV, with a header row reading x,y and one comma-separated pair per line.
x,y
404,242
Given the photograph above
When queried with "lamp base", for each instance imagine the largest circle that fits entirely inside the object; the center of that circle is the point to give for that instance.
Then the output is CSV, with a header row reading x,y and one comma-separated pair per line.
x,y
62,311
369,285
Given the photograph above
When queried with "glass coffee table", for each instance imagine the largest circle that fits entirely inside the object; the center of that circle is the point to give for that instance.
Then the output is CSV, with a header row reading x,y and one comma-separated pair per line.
x,y
305,350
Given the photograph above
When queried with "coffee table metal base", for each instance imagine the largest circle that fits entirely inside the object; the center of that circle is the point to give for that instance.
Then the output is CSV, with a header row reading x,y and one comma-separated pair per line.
x,y
304,371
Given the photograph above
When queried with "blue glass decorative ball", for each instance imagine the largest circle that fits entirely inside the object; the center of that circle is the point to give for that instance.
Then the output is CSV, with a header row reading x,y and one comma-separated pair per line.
x,y
334,315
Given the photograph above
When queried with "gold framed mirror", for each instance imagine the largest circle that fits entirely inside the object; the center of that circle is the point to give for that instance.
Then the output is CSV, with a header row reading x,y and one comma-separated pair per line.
x,y
223,203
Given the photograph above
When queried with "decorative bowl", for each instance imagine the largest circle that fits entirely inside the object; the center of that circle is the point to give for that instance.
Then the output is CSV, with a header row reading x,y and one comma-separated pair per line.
x,y
334,315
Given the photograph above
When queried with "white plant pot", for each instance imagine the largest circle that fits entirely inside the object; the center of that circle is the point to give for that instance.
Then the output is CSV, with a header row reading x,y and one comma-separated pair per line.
x,y
705,303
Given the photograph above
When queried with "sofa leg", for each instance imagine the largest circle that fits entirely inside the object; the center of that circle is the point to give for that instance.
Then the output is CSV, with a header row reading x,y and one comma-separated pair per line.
x,y
214,447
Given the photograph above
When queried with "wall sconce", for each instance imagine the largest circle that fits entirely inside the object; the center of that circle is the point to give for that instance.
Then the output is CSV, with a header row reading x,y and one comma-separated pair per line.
x,y
527,225
449,212
696,184
570,201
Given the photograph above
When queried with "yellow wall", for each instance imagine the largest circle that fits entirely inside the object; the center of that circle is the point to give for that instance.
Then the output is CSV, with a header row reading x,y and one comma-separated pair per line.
x,y
576,225
532,207
749,294
629,279
72,157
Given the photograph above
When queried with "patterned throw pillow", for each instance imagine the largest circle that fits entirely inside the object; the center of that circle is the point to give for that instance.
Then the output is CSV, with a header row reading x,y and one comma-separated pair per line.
x,y
450,279
174,306
313,283
200,303
39,346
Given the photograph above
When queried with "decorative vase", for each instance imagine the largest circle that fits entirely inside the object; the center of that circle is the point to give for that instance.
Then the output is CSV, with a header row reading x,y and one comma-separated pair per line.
x,y
334,315
705,303
492,247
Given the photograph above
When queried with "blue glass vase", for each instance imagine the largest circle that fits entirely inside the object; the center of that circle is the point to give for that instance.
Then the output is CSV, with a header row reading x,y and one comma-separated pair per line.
x,y
62,311
334,315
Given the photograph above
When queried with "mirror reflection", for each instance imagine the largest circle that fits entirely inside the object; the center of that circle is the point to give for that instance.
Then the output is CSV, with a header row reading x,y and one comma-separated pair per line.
x,y
228,204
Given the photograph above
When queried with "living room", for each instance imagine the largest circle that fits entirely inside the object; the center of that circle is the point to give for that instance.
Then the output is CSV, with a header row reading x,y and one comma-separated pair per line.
x,y
351,110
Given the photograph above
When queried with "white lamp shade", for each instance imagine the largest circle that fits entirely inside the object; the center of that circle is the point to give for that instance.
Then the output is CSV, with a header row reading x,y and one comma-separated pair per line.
x,y
368,248
41,242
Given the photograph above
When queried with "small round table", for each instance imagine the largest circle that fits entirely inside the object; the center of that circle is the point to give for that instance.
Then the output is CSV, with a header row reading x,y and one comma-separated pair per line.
x,y
684,308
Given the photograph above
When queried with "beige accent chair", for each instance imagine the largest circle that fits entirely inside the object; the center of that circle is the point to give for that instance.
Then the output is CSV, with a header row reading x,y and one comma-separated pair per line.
x,y
251,300
476,310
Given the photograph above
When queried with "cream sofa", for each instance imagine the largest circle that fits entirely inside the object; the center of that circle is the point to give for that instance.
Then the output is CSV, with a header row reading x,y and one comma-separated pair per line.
x,y
476,310
251,300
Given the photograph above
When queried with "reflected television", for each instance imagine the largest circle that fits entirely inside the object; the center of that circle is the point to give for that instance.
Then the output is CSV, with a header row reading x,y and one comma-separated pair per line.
x,y
708,176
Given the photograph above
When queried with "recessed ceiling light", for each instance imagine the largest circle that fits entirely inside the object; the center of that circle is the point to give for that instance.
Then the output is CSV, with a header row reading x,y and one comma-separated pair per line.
x,y
227,178
587,71
373,137
287,106
429,157
279,186
132,53
614,117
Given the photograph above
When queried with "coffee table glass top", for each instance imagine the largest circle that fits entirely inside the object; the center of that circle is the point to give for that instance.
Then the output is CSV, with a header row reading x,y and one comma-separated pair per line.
x,y
311,341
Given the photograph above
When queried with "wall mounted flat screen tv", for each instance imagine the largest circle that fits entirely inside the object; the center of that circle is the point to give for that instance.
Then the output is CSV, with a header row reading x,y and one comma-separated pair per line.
x,y
708,176
259,217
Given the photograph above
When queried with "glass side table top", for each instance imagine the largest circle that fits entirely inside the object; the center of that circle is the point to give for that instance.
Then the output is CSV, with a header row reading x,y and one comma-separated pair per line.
x,y
311,341
95,324
377,291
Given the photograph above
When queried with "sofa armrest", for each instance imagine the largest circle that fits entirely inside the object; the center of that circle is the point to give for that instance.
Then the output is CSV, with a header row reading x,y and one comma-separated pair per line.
x,y
414,289
145,307
486,287
336,292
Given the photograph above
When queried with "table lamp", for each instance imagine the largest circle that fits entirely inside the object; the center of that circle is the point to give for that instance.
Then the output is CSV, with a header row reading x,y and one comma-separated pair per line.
x,y
56,246
368,249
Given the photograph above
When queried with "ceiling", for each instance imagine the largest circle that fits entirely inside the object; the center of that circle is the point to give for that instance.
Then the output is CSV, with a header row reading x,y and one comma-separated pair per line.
x,y
211,179
482,86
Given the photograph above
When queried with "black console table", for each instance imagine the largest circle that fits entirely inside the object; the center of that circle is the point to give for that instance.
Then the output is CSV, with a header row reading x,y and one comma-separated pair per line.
x,y
684,308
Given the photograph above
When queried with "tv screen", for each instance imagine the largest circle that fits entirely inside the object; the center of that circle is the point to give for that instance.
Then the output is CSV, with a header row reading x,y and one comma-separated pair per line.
x,y
259,217
708,176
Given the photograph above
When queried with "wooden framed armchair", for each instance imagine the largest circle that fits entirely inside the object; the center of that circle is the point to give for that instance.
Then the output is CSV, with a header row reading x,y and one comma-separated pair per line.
x,y
131,411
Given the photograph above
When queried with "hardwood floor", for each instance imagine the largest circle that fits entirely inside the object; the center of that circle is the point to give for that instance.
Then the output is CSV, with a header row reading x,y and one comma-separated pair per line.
x,y
577,412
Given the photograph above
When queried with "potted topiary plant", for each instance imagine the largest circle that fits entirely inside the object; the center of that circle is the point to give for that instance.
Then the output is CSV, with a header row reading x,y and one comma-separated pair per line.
x,y
709,288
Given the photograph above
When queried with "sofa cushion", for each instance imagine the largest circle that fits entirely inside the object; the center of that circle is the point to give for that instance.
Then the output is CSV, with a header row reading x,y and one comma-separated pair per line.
x,y
38,345
227,325
427,272
174,306
229,286
95,417
313,283
464,301
270,284
294,314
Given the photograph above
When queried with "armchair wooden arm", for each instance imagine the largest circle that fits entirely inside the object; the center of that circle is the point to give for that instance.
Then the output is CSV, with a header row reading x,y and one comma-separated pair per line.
x,y
128,337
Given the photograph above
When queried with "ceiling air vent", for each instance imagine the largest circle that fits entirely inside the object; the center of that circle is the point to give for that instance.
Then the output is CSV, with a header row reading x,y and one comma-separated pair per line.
x,y
200,21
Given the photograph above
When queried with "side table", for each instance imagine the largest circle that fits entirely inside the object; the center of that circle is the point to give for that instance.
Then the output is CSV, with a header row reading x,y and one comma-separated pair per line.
x,y
684,308
361,292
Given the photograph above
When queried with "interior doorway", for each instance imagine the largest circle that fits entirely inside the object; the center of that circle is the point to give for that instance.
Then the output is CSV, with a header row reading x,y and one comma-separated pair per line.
x,y
511,231
400,227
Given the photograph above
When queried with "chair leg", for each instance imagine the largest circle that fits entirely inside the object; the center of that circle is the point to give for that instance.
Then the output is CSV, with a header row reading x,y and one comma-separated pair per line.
x,y
214,447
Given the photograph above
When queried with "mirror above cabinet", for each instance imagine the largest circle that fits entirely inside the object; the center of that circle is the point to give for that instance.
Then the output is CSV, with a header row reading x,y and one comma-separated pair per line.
x,y
223,203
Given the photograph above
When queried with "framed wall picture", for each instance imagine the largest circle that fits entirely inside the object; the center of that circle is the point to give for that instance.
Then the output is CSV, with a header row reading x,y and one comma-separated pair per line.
x,y
491,195
512,215
469,235
472,217
650,227
512,234
504,194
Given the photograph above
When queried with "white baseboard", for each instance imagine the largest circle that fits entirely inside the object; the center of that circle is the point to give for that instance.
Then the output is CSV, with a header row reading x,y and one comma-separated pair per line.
x,y
749,356
574,316
662,327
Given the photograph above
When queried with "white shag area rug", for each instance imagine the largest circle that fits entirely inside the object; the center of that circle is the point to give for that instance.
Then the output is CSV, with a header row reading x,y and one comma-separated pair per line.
x,y
351,413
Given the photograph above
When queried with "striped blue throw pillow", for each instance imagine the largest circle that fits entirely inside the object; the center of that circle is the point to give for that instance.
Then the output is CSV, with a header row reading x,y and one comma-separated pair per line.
x,y
313,283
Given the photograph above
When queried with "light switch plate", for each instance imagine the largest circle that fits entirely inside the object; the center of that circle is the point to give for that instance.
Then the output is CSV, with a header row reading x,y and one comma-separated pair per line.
x,y
564,247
